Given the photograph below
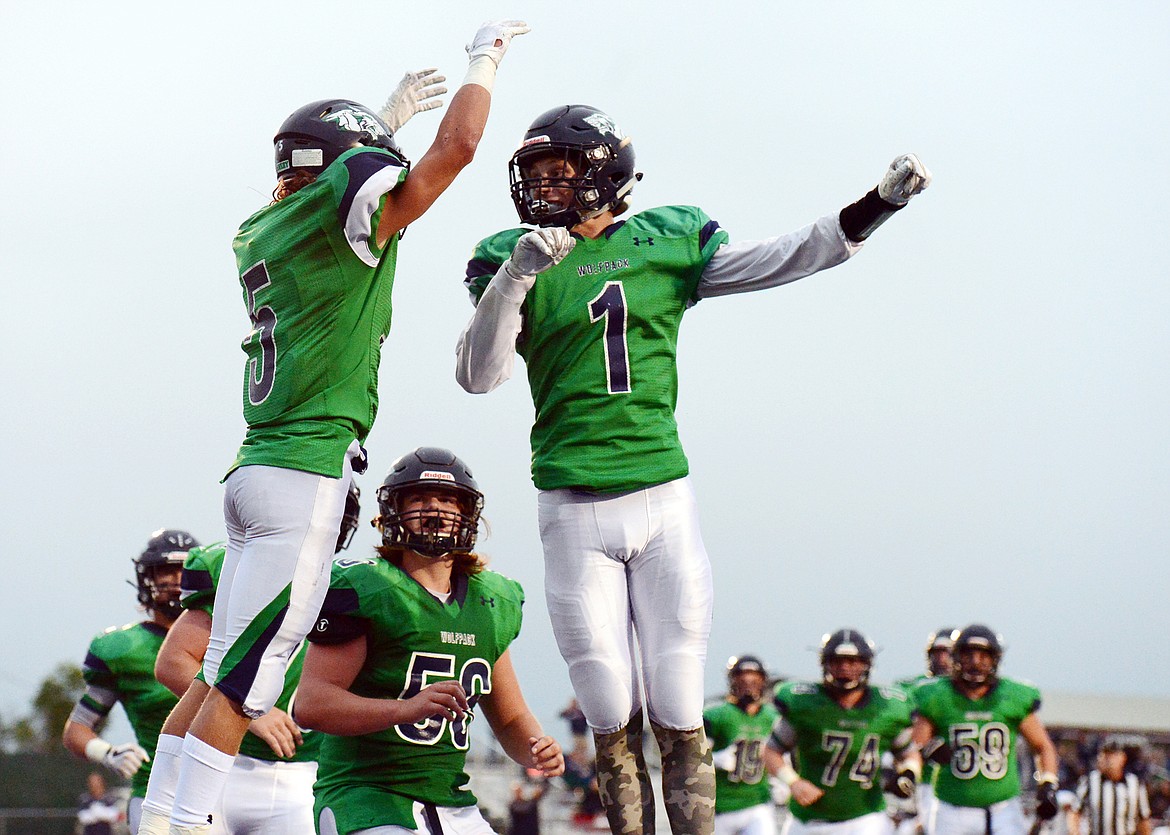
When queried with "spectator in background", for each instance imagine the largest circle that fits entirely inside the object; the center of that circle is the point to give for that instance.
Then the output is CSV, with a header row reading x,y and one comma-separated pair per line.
x,y
1110,800
524,808
98,809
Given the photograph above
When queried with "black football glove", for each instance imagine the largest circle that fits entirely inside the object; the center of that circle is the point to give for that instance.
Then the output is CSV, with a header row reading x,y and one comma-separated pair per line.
x,y
937,751
1046,807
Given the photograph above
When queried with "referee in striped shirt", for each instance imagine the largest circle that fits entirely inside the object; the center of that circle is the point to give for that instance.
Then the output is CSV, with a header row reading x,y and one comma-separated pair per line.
x,y
1111,800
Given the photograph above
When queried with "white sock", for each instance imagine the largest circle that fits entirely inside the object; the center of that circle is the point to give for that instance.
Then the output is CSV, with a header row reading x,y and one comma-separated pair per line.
x,y
202,776
164,776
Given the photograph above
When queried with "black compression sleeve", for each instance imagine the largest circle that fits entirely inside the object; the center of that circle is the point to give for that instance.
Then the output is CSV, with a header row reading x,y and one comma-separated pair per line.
x,y
860,219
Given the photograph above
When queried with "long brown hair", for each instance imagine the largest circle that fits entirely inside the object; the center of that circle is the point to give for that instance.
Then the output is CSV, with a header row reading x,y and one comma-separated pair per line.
x,y
291,184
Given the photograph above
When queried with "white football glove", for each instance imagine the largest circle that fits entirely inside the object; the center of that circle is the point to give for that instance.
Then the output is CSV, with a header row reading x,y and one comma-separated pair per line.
x,y
124,759
539,250
484,42
724,759
907,177
410,97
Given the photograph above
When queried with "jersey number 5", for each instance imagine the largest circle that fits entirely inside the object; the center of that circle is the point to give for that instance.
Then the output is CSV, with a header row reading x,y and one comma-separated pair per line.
x,y
262,369
610,305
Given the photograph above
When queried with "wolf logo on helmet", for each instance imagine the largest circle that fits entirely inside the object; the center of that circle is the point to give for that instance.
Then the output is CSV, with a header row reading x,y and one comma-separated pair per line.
x,y
167,547
315,135
432,533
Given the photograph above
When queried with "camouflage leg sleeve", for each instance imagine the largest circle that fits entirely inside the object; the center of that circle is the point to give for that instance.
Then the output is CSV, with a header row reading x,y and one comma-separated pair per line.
x,y
688,780
622,779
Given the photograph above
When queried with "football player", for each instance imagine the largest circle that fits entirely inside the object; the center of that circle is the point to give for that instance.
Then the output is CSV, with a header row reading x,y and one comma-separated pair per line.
x,y
593,302
119,667
272,779
316,268
738,727
830,740
938,665
407,647
969,723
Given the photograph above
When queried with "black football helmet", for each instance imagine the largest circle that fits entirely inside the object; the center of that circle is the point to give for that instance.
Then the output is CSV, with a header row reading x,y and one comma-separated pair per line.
x,y
350,518
318,133
441,533
167,547
845,643
737,688
602,158
939,646
975,636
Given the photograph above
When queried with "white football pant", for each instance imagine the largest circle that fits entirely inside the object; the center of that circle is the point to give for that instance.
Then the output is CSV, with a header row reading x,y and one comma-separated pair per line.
x,y
1007,818
268,798
455,820
754,820
282,529
875,823
621,568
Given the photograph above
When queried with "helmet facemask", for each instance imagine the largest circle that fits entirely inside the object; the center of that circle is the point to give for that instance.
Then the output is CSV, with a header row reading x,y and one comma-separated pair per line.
x,y
164,597
601,157
416,517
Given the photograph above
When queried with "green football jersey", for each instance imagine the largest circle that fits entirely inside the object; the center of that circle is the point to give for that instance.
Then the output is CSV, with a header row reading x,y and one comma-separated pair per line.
x,y
727,724
930,770
839,750
412,640
982,734
317,290
120,665
201,571
600,339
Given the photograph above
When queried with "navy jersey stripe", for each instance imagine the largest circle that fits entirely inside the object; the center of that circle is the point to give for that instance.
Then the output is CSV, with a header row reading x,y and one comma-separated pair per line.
x,y
93,662
707,232
236,684
361,167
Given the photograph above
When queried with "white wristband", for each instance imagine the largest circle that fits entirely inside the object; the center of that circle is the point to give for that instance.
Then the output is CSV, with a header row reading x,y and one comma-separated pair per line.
x,y
96,749
788,774
481,71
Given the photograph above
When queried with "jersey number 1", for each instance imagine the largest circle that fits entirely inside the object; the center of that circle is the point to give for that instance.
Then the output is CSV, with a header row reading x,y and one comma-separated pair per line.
x,y
610,305
263,318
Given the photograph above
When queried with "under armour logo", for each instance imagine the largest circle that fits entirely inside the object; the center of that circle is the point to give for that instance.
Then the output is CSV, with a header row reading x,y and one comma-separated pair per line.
x,y
487,601
638,241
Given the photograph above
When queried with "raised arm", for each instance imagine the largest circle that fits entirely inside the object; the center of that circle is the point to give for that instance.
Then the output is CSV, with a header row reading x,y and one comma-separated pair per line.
x,y
458,135
758,265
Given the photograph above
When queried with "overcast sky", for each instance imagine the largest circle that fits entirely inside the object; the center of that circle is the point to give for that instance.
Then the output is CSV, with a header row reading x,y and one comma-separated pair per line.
x,y
969,421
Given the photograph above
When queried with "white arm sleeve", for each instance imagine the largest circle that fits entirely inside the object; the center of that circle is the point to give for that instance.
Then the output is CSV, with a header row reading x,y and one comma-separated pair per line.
x,y
486,349
758,265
